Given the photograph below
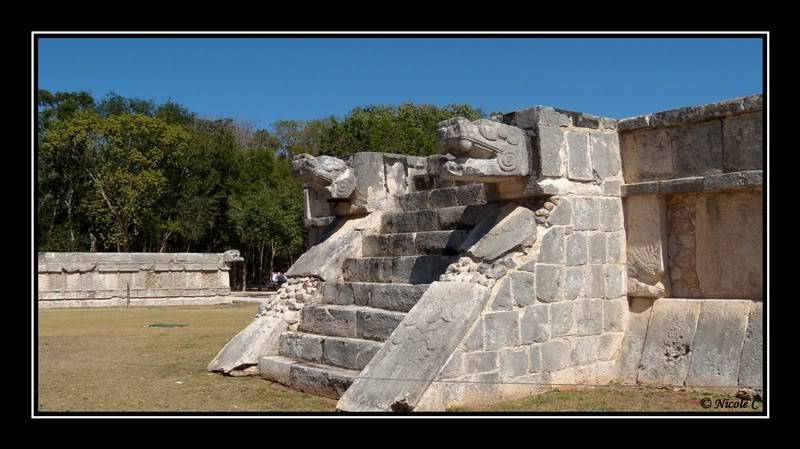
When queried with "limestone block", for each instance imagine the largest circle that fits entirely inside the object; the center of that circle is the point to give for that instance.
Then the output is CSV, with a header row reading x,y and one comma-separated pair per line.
x,y
534,358
597,248
718,342
209,280
589,316
609,344
541,115
397,297
395,173
340,321
743,139
501,329
42,282
586,213
616,247
576,248
523,287
574,280
377,324
179,279
535,324
551,144
479,362
562,319
610,214
418,349
562,213
612,187
616,281
640,310
512,227
752,364
669,343
194,280
615,312
646,155
552,247
300,347
697,149
646,231
549,282
513,362
584,350
729,227
56,281
73,281
579,166
605,154
595,281
556,355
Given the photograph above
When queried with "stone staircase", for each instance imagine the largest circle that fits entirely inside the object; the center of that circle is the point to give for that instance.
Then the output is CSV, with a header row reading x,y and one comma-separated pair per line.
x,y
337,338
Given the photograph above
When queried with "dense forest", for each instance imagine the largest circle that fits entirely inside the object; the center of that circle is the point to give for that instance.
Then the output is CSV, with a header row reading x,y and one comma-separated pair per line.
x,y
125,174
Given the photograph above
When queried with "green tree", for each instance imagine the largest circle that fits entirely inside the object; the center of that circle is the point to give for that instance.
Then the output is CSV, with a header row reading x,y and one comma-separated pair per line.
x,y
119,162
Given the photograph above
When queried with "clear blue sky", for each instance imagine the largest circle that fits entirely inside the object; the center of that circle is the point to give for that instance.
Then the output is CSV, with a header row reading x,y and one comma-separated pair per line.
x,y
260,80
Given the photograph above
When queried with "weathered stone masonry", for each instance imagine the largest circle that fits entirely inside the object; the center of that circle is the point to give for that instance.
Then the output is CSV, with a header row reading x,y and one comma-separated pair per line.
x,y
694,212
111,279
529,254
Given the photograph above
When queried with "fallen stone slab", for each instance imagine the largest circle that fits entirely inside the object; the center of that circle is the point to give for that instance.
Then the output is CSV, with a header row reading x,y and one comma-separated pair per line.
x,y
259,338
511,227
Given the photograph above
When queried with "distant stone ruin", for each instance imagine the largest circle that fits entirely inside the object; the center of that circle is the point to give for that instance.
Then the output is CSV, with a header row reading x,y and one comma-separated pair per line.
x,y
67,280
545,247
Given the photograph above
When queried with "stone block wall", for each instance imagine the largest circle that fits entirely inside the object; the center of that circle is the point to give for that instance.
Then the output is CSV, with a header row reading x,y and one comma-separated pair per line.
x,y
557,314
105,279
693,201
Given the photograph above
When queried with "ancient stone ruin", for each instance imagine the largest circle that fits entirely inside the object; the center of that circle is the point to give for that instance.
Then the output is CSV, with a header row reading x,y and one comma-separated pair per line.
x,y
67,280
542,247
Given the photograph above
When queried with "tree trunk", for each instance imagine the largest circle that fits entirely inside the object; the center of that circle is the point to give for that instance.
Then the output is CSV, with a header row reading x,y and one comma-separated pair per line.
x,y
164,242
261,265
272,256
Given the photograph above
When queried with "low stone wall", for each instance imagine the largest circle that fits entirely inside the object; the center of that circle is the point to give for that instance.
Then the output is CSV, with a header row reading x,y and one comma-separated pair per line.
x,y
135,279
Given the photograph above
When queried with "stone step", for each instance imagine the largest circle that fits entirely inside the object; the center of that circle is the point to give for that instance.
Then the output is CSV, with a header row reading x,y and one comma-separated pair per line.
x,y
413,243
397,297
466,195
349,353
397,269
324,380
363,322
445,218
421,183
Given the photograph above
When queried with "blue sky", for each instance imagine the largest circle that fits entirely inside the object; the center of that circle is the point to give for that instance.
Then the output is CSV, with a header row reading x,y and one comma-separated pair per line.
x,y
260,80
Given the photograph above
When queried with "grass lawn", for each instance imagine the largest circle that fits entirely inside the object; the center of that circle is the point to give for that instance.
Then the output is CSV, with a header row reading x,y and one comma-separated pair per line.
x,y
617,398
110,360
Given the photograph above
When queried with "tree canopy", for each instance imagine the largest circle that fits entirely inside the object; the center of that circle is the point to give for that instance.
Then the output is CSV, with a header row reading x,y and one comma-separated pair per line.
x,y
125,174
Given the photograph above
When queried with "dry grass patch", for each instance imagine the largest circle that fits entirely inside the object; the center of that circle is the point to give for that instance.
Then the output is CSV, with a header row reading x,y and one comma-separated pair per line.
x,y
615,398
110,360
